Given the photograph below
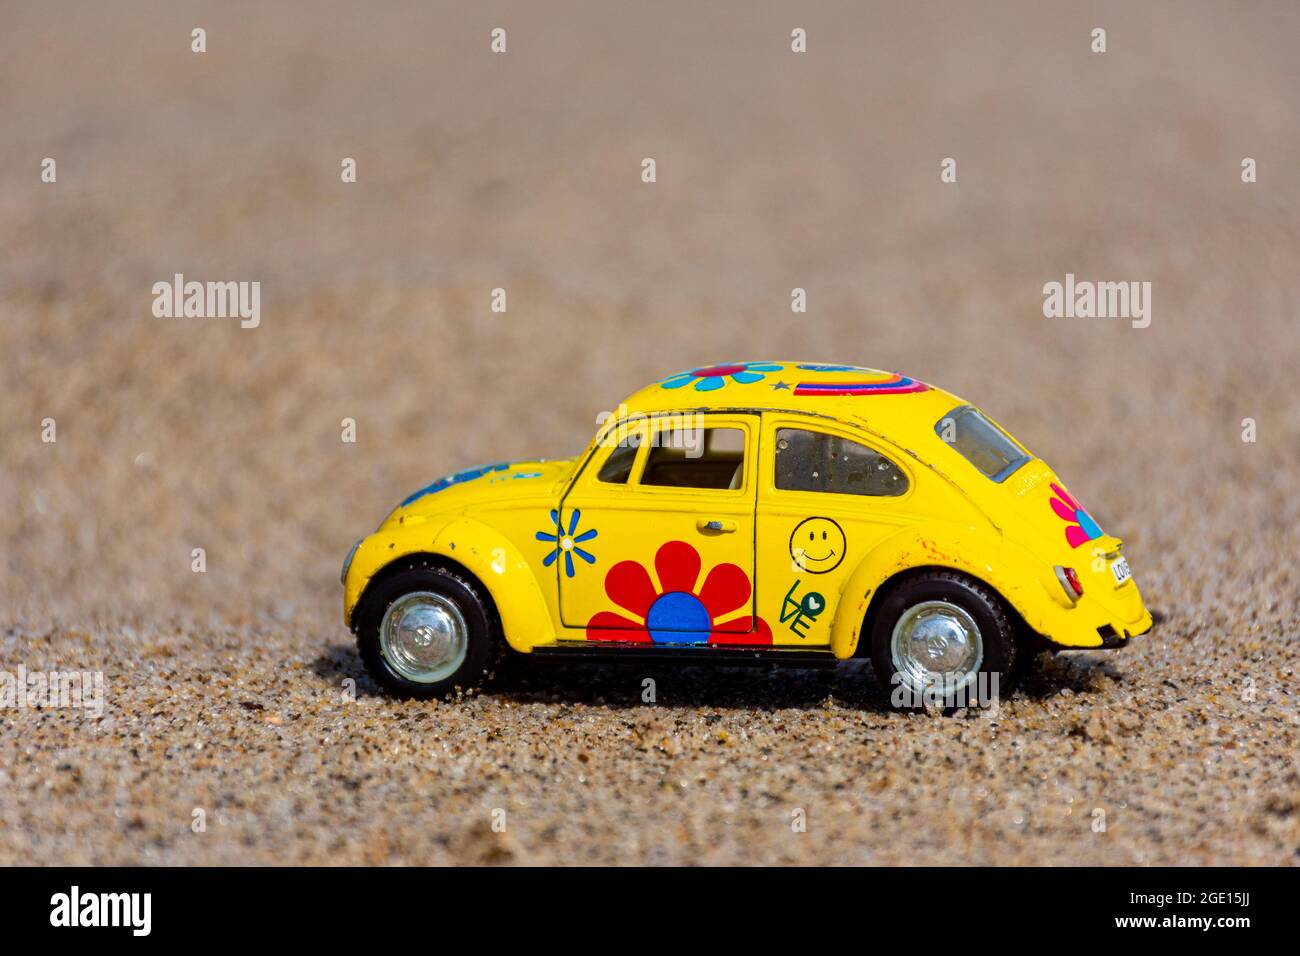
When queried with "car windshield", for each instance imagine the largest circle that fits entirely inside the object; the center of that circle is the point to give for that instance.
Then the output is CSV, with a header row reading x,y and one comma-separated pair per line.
x,y
981,442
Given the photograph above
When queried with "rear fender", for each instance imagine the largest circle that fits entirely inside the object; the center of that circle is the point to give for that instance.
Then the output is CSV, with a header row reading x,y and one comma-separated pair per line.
x,y
963,549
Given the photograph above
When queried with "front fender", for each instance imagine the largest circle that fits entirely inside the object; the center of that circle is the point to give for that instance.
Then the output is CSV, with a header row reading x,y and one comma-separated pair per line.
x,y
482,551
964,549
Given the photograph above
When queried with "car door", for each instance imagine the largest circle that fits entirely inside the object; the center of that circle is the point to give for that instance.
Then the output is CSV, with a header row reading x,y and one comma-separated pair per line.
x,y
672,507
827,495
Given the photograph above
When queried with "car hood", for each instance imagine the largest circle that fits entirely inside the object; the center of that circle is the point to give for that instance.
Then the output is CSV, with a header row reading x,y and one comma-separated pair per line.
x,y
484,483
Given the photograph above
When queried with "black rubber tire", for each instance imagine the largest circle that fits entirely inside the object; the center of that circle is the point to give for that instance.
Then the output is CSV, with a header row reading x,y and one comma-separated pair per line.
x,y
484,632
997,631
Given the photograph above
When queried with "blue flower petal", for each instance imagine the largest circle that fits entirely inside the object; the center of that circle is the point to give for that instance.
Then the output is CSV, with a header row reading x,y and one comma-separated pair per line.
x,y
744,378
589,558
586,535
568,563
543,536
549,559
573,520
709,383
763,367
677,381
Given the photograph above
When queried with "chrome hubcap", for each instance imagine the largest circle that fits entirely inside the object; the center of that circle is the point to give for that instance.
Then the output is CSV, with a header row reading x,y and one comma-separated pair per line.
x,y
936,642
424,637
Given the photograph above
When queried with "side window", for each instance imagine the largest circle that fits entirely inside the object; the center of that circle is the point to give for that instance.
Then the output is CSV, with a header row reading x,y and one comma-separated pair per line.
x,y
813,461
710,457
618,466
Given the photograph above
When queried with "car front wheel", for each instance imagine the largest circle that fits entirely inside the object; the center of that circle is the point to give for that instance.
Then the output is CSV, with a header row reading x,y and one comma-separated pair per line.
x,y
945,639
426,632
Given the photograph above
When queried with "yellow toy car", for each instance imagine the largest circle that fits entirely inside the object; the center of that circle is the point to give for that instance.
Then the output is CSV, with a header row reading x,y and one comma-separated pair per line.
x,y
783,512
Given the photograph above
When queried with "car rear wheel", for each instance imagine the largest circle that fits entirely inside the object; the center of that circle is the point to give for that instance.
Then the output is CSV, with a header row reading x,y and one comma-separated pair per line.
x,y
945,639
426,632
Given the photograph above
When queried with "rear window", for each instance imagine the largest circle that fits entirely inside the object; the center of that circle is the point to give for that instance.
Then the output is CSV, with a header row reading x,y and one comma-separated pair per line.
x,y
980,442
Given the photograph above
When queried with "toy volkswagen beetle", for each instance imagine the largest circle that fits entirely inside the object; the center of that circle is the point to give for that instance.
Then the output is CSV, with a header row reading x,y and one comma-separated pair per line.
x,y
778,511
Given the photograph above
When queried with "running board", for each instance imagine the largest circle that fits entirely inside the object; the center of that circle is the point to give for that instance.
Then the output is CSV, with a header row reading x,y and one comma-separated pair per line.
x,y
685,654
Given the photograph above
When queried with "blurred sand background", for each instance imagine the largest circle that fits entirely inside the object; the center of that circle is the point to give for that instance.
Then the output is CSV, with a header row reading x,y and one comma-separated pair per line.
x,y
522,171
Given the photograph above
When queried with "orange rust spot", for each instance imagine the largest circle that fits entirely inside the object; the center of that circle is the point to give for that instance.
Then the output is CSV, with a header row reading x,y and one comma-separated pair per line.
x,y
933,550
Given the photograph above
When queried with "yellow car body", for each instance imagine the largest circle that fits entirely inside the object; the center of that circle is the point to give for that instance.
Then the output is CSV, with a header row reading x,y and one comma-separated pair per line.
x,y
573,557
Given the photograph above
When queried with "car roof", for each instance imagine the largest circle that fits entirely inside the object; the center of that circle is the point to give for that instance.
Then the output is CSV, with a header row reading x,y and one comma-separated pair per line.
x,y
896,406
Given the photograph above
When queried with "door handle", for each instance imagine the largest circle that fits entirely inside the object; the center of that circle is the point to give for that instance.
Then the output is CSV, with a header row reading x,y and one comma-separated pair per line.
x,y
719,525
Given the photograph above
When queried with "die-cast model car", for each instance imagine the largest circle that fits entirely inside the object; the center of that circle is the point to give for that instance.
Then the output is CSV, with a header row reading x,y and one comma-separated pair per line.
x,y
789,512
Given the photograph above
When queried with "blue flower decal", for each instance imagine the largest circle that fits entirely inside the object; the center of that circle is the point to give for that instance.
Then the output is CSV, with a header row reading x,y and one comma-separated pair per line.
x,y
567,544
469,474
713,377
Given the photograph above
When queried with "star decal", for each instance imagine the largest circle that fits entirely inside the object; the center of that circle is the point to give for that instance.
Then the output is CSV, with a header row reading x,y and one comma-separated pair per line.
x,y
781,385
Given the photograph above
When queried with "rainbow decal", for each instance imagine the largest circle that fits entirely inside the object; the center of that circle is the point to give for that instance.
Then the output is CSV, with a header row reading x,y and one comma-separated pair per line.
x,y
890,385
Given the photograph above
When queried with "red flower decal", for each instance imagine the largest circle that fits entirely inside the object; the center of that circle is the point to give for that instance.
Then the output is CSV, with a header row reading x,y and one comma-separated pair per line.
x,y
675,612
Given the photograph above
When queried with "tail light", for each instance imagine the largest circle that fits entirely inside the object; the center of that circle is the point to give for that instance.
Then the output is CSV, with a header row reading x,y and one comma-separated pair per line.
x,y
1070,583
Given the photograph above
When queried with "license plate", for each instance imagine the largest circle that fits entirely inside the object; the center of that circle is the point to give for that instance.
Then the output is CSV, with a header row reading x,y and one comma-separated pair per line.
x,y
1120,569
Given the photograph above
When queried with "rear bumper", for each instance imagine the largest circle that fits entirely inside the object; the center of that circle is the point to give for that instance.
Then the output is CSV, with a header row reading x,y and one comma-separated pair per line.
x,y
1099,628
1113,637
1111,621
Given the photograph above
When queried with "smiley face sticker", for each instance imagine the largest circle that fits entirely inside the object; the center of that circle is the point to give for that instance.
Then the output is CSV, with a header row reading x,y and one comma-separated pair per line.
x,y
817,545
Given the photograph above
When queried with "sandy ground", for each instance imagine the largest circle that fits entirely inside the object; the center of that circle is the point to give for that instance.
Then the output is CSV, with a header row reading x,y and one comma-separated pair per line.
x,y
225,690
